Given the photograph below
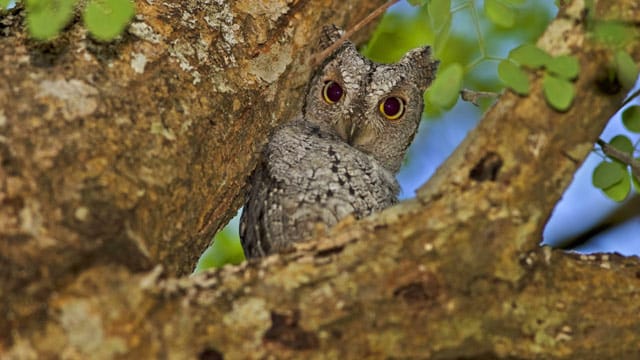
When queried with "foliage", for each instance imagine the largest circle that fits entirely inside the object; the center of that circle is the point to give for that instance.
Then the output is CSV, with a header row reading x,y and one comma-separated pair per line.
x,y
617,36
499,13
613,176
444,93
558,92
631,118
105,19
514,77
47,18
612,33
626,69
529,56
464,48
557,83
225,249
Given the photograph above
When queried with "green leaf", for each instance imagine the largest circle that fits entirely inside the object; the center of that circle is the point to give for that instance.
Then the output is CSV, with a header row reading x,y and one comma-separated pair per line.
x,y
613,33
631,118
636,182
499,13
607,174
442,37
619,191
564,66
446,88
530,56
626,68
417,2
4,4
226,249
45,18
439,13
513,77
106,19
559,93
622,143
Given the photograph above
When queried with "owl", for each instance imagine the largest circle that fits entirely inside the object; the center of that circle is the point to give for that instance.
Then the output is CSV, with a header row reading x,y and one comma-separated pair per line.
x,y
339,156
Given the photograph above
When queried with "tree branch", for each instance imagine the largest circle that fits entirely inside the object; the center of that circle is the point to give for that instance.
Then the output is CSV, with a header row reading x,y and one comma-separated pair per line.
x,y
474,96
136,152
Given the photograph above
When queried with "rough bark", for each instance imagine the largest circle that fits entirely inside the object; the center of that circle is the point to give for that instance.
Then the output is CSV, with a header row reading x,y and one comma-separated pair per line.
x,y
455,273
136,152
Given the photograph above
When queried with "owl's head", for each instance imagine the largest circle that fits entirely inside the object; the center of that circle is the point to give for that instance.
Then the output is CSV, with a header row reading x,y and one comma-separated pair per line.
x,y
375,108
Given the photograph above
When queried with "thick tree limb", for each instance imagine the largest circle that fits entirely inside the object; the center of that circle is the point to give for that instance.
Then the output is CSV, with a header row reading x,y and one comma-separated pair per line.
x,y
455,273
136,152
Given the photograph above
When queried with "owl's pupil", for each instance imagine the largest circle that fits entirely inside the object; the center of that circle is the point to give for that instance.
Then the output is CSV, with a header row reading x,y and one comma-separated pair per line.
x,y
392,106
332,92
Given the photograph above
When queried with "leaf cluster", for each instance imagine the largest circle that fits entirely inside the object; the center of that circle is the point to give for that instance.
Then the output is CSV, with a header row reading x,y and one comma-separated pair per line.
x,y
105,19
557,84
463,49
225,249
614,176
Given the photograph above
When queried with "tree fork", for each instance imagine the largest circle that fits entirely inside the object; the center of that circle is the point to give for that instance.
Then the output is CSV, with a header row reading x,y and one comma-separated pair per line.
x,y
456,272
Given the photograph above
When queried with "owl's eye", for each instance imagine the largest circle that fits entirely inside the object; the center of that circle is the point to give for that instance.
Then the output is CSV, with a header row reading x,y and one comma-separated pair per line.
x,y
332,92
392,107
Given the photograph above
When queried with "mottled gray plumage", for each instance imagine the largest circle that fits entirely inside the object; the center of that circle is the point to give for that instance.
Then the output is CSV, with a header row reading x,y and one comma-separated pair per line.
x,y
336,158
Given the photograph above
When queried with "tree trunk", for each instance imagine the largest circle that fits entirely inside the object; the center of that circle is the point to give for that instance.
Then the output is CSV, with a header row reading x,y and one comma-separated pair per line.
x,y
120,157
136,152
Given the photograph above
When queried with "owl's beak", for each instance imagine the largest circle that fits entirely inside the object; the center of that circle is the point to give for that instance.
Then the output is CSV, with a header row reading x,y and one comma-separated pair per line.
x,y
353,133
347,130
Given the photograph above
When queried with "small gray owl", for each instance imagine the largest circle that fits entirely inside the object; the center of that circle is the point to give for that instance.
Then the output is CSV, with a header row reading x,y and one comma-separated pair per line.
x,y
340,155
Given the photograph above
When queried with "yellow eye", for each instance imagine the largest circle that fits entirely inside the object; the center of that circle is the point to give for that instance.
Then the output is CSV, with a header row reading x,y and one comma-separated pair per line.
x,y
332,92
392,108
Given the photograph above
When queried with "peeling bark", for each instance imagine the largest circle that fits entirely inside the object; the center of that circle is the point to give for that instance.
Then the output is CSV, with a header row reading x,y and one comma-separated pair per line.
x,y
90,174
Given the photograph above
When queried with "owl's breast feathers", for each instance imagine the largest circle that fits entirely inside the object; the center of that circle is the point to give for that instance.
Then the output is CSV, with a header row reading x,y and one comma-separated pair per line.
x,y
308,177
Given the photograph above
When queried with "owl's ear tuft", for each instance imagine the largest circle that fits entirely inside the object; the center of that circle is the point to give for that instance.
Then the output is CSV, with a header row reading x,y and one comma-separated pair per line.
x,y
422,65
329,35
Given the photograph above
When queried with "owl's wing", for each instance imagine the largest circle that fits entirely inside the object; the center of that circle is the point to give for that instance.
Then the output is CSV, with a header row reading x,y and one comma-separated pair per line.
x,y
264,220
252,231
308,178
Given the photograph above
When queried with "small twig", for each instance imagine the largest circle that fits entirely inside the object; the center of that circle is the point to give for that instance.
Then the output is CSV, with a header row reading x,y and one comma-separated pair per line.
x,y
473,96
621,156
632,96
316,59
